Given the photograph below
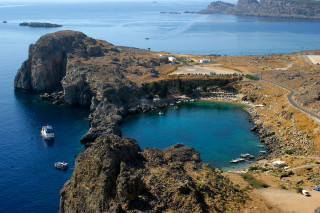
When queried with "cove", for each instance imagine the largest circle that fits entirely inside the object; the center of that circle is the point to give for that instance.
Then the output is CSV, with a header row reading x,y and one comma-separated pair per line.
x,y
219,131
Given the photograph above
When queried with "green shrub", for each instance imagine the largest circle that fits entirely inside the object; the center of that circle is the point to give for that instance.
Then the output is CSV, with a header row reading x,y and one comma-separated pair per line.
x,y
254,182
255,168
290,151
251,77
299,190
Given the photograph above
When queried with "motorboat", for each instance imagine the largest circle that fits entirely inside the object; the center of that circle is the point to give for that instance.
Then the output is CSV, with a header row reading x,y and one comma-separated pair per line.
x,y
47,132
245,155
263,151
240,159
234,161
61,165
176,107
160,113
261,146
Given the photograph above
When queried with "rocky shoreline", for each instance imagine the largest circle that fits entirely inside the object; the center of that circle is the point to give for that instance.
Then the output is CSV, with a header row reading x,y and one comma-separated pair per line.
x,y
266,134
267,8
114,174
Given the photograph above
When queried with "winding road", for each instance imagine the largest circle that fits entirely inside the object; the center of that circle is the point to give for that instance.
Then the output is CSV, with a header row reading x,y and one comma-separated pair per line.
x,y
290,96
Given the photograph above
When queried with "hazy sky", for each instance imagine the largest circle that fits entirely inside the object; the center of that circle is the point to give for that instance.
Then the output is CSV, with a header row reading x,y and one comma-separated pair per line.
x,y
7,1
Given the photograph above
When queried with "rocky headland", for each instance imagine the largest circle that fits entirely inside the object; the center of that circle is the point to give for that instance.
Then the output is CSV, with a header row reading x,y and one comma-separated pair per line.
x,y
114,174
39,24
270,8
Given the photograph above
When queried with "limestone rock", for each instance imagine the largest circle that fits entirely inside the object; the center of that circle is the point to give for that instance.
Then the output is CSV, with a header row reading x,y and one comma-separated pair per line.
x,y
114,175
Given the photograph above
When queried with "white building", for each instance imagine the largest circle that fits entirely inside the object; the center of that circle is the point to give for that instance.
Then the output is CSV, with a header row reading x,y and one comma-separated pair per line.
x,y
172,59
204,61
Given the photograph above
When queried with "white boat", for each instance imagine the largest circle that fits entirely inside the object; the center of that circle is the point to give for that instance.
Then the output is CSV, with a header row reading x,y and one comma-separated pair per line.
x,y
61,165
245,155
160,113
47,132
305,192
240,159
263,151
234,161
260,146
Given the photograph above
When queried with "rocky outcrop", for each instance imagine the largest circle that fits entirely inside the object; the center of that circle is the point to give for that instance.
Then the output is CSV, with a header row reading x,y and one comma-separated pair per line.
x,y
46,65
89,73
39,24
272,8
114,175
266,134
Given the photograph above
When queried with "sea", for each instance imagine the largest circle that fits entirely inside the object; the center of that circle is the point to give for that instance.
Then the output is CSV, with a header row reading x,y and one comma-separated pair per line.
x,y
28,180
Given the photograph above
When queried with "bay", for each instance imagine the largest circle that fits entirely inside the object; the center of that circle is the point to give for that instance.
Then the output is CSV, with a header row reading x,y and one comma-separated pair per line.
x,y
219,131
28,180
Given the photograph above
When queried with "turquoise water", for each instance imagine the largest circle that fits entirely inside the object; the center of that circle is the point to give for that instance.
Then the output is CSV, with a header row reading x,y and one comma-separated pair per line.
x,y
219,131
28,181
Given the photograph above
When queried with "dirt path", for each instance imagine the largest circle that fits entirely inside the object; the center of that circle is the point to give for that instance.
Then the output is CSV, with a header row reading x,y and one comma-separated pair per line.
x,y
290,200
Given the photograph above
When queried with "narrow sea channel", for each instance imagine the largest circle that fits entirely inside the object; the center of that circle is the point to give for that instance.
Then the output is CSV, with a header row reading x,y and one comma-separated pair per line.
x,y
219,131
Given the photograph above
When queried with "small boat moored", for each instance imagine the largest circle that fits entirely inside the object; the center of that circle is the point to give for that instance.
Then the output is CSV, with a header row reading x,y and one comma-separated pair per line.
x,y
245,155
61,165
47,132
160,113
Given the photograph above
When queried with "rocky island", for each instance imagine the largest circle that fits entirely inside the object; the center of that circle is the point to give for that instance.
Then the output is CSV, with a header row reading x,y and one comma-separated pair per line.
x,y
39,24
270,8
115,175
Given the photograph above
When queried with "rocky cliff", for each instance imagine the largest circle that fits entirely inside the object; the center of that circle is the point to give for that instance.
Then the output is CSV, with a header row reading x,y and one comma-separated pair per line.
x,y
114,175
89,73
272,8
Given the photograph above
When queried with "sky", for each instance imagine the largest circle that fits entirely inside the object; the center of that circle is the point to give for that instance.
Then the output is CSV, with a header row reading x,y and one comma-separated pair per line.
x,y
6,1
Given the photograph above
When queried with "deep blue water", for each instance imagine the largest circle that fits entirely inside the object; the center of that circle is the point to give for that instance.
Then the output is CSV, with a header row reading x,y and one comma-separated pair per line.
x,y
28,180
128,23
219,131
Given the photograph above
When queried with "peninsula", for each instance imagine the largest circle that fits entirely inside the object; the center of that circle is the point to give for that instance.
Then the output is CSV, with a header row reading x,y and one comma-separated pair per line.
x,y
270,8
115,175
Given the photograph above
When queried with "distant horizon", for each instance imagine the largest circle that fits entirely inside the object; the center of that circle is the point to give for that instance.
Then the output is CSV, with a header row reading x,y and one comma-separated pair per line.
x,y
75,1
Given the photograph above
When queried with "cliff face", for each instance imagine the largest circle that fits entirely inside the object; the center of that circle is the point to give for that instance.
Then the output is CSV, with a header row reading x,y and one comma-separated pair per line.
x,y
46,65
273,8
89,73
114,175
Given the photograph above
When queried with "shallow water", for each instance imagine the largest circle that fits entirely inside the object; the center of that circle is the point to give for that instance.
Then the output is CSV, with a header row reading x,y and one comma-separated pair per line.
x,y
219,131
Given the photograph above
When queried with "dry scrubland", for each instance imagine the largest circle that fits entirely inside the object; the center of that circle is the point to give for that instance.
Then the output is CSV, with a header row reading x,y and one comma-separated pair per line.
x,y
297,132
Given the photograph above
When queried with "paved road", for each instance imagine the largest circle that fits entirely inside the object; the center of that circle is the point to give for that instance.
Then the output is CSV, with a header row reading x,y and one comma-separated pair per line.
x,y
304,166
290,96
